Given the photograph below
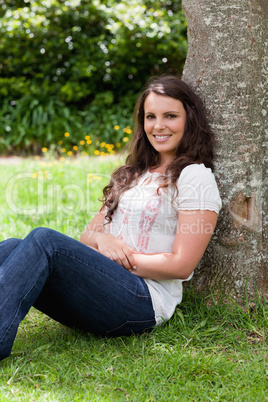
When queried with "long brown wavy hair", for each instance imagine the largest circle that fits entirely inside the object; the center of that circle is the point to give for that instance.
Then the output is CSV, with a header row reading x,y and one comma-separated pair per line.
x,y
196,145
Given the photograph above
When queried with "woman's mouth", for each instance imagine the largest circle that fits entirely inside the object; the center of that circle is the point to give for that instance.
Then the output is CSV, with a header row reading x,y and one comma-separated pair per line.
x,y
161,138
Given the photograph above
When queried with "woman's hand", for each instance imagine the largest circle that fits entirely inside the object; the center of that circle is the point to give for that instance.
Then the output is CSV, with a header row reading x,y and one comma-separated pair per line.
x,y
106,244
115,249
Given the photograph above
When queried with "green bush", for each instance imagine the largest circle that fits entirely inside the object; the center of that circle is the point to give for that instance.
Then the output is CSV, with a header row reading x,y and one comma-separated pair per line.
x,y
35,121
77,65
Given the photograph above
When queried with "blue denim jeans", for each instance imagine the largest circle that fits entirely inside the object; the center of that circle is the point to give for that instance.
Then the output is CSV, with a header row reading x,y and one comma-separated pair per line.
x,y
70,282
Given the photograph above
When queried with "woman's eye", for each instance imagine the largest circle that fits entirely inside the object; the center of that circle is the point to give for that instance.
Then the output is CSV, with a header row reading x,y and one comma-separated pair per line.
x,y
171,116
150,117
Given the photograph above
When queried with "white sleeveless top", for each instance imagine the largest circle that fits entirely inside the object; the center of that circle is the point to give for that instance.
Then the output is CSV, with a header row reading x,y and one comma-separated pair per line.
x,y
147,221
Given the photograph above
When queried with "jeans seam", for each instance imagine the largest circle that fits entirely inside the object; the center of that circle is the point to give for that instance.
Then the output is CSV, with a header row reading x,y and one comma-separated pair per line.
x,y
40,247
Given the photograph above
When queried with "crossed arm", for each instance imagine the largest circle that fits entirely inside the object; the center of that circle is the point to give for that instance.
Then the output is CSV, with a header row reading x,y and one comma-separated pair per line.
x,y
194,231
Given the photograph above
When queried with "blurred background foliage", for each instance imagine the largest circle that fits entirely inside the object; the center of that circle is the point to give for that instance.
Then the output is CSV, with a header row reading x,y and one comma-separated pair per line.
x,y
77,65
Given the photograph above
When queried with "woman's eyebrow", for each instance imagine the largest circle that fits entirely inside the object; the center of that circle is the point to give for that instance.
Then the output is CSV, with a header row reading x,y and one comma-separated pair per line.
x,y
170,111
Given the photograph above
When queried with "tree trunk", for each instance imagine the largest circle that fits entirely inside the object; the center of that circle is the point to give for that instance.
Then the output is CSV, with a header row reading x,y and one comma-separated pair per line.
x,y
227,64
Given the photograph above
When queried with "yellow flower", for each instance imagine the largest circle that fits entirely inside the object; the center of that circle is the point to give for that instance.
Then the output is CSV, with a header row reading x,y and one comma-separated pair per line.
x,y
66,134
89,142
116,127
90,175
75,147
62,158
125,139
97,152
60,142
87,137
44,149
63,149
37,157
118,145
34,175
69,153
82,142
102,144
127,130
102,153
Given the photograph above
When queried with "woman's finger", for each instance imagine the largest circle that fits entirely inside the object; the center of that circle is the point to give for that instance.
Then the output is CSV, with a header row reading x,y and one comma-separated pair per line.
x,y
123,256
130,258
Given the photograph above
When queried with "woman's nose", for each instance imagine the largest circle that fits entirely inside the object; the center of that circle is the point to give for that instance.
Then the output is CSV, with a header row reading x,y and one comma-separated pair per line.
x,y
159,124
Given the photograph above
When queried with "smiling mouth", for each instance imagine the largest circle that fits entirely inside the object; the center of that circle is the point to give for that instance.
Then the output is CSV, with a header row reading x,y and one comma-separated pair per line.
x,y
162,137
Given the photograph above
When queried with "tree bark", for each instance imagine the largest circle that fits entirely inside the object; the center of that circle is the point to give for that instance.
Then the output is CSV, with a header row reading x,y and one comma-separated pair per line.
x,y
227,65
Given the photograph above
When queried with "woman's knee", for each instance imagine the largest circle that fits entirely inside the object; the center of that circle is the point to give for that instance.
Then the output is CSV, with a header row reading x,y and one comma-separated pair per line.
x,y
10,243
7,247
39,236
48,239
40,233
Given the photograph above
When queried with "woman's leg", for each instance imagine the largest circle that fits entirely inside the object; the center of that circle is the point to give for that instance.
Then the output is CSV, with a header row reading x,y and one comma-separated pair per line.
x,y
7,247
73,284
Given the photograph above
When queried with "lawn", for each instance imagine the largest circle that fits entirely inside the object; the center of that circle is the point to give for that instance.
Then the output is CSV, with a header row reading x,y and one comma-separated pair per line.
x,y
209,351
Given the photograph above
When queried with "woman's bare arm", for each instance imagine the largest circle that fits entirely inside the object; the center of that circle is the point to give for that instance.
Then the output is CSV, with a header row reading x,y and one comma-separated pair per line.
x,y
194,232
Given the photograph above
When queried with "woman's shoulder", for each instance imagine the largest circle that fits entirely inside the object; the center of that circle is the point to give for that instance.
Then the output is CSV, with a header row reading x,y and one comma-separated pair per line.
x,y
197,189
196,172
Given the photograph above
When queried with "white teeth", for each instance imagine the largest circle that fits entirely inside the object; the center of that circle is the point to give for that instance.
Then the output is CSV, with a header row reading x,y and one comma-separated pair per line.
x,y
159,137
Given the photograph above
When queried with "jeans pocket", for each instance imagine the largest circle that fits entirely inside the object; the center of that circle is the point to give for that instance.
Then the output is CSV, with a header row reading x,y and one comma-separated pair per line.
x,y
131,327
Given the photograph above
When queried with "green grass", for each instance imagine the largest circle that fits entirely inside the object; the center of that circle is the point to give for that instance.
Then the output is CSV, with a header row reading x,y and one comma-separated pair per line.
x,y
63,196
209,351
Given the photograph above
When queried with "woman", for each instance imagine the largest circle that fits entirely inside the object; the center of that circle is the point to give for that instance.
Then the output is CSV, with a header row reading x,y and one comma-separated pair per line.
x,y
158,215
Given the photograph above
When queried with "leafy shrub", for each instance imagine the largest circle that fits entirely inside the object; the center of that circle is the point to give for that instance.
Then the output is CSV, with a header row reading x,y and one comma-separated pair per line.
x,y
32,122
77,65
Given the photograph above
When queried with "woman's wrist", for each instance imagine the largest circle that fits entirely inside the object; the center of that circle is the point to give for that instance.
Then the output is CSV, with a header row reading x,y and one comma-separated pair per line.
x,y
90,238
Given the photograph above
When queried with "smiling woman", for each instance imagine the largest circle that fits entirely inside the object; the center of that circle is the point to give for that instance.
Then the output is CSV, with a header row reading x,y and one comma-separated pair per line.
x,y
157,217
164,125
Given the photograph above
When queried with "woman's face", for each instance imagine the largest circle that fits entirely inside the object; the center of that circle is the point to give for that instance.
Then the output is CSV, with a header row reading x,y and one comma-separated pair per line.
x,y
164,123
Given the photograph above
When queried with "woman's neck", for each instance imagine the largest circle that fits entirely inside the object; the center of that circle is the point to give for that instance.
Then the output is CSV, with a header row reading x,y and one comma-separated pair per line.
x,y
157,169
162,167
